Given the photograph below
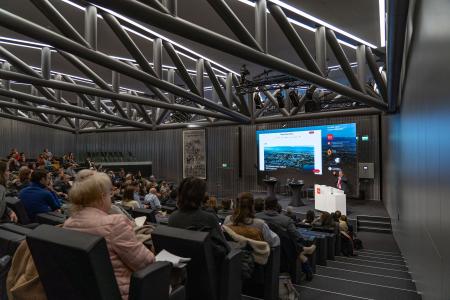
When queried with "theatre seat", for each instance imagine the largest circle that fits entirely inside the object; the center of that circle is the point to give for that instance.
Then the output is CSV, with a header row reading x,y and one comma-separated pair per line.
x,y
51,218
9,241
149,213
15,228
5,264
335,236
205,280
264,283
74,265
17,206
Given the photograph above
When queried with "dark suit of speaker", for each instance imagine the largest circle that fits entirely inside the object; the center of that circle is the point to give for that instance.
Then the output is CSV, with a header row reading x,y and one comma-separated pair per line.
x,y
343,184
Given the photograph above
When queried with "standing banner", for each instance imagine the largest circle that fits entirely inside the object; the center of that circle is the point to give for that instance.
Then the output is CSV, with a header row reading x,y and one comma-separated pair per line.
x,y
194,153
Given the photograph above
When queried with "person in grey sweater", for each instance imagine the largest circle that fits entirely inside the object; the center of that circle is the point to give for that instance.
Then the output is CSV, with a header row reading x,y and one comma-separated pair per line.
x,y
6,214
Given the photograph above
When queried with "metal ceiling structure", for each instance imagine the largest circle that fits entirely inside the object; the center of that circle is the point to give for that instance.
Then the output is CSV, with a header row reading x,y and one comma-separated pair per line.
x,y
44,97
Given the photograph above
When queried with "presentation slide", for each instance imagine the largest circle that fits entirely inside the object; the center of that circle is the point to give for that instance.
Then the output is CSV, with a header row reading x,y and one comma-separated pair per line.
x,y
300,150
317,149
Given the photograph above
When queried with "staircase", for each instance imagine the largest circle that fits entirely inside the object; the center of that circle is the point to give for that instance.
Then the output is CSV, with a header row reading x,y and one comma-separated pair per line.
x,y
374,224
370,275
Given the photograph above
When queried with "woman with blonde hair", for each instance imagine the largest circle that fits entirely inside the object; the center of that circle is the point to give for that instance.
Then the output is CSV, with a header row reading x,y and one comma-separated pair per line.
x,y
90,197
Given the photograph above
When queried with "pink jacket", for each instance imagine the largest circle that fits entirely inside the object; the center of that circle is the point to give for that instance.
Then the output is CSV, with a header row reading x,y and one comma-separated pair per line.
x,y
126,252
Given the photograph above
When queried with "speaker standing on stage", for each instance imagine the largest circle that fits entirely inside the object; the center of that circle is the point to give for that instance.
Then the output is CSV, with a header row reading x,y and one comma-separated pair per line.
x,y
342,182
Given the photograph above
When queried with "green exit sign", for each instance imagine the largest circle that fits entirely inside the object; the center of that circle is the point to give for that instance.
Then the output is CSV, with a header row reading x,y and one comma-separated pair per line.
x,y
365,138
224,165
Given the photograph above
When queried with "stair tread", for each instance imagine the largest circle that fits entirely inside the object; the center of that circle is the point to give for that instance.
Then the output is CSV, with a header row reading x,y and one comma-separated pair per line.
x,y
407,284
311,293
374,228
364,262
369,269
374,222
360,289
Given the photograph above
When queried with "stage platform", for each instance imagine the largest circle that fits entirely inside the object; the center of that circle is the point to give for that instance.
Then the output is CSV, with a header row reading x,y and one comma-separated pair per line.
x,y
354,207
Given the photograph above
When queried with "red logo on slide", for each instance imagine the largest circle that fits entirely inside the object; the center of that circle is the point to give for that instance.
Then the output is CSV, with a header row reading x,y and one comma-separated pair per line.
x,y
316,171
318,191
330,137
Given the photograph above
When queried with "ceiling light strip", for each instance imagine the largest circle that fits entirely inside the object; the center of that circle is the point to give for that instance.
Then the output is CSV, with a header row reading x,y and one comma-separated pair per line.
x,y
316,21
382,13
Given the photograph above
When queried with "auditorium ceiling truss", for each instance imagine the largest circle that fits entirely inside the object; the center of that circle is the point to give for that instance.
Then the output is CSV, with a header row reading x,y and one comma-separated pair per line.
x,y
107,106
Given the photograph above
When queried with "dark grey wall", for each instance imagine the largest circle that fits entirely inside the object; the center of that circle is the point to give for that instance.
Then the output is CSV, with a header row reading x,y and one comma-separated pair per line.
x,y
32,139
164,148
416,149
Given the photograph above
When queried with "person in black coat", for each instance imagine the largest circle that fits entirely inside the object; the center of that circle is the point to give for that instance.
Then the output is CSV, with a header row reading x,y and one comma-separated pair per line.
x,y
342,182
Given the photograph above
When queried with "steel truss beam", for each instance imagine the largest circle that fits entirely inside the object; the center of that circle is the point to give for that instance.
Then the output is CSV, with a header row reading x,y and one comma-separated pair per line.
x,y
151,16
106,94
71,108
25,27
21,65
36,122
49,111
262,120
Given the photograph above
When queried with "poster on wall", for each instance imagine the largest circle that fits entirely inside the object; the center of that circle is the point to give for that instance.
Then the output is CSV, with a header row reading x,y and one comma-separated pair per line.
x,y
194,153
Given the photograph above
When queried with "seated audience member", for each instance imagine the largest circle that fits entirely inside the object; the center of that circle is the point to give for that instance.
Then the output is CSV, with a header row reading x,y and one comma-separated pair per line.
x,y
325,220
191,216
310,217
272,216
172,199
48,154
39,196
211,204
70,170
128,198
244,223
347,245
343,224
291,214
24,178
259,205
225,208
14,154
22,160
62,185
151,199
13,164
91,201
164,190
6,214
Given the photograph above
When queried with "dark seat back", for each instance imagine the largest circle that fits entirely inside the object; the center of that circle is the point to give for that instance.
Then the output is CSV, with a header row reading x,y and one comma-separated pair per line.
x,y
202,273
17,206
72,265
149,213
15,228
9,241
289,251
5,264
51,218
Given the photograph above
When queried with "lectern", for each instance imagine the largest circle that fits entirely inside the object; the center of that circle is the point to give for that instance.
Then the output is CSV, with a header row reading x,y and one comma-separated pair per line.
x,y
330,199
270,183
296,198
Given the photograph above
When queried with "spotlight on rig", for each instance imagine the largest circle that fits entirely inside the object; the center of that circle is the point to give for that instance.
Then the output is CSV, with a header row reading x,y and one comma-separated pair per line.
x,y
280,98
257,101
293,96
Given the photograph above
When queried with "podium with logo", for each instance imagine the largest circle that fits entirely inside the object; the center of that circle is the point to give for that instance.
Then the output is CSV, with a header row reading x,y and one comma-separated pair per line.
x,y
330,199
